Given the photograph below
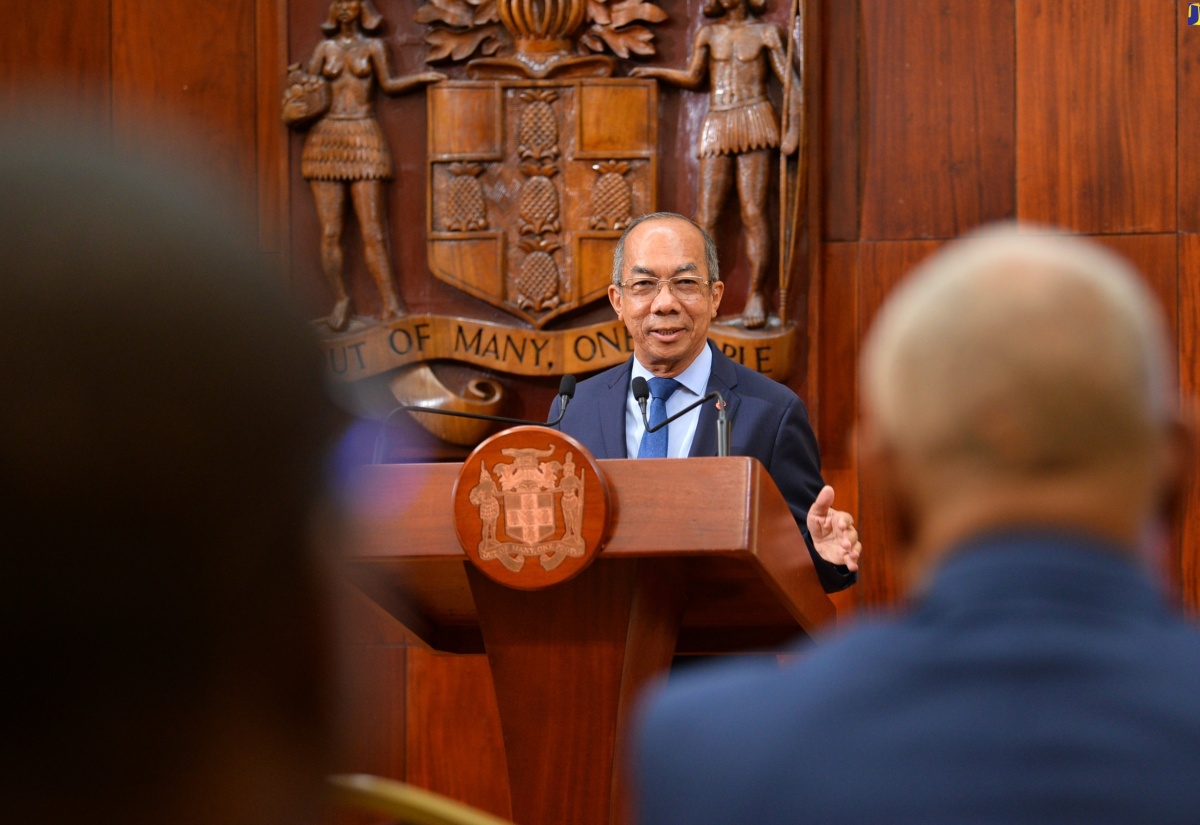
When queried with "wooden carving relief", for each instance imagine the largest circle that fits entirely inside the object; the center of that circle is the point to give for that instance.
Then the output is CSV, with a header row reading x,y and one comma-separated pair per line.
x,y
541,146
741,129
346,157
528,195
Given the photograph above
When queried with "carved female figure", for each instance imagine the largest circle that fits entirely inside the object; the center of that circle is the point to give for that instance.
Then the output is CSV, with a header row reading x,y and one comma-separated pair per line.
x,y
741,127
345,152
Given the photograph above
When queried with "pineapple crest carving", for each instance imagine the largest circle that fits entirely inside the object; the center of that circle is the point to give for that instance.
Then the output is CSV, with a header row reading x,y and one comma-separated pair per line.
x,y
528,193
536,285
538,204
538,134
466,208
612,197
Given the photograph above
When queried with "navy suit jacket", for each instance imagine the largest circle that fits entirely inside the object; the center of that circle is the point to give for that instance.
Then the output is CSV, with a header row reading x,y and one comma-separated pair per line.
x,y
1040,679
767,421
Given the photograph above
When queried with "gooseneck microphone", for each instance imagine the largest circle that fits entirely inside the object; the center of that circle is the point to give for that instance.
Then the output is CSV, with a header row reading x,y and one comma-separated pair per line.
x,y
641,394
566,391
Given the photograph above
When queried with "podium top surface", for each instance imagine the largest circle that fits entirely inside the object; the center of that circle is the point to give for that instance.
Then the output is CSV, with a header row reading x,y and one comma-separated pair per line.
x,y
720,524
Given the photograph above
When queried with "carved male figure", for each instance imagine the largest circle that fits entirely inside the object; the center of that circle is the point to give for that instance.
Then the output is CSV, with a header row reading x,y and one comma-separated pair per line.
x,y
741,128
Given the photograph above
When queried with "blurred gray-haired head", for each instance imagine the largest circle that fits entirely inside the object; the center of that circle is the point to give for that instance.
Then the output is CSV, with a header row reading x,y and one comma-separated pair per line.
x,y
1016,351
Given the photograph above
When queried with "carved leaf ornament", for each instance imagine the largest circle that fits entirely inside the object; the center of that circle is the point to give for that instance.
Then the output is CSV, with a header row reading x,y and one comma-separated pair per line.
x,y
460,29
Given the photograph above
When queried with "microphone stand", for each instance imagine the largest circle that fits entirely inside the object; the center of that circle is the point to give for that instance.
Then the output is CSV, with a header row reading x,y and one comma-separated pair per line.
x,y
722,416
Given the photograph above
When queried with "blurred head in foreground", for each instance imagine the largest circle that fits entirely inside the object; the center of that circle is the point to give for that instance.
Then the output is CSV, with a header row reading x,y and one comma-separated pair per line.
x,y
161,443
1018,418
1021,378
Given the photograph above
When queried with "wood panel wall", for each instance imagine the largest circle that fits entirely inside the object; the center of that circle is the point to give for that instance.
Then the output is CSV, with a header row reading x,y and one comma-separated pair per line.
x,y
934,116
941,115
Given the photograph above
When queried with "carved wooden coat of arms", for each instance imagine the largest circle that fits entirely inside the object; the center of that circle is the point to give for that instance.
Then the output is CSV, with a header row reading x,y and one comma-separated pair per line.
x,y
535,161
532,185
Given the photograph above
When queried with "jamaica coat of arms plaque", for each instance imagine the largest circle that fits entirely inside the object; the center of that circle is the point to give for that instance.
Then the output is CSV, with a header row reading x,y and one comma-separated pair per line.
x,y
530,507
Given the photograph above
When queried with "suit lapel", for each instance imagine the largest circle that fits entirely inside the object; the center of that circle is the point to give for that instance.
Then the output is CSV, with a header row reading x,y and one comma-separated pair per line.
x,y
612,412
722,378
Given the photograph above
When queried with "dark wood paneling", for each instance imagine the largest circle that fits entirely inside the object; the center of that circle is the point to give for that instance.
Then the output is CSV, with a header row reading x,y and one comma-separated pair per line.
x,y
1187,111
835,327
881,267
455,746
838,124
1189,386
371,687
1156,257
937,116
1096,114
183,83
56,50
835,342
272,139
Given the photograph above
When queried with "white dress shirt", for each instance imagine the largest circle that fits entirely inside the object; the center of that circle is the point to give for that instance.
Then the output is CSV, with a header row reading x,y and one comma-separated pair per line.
x,y
694,381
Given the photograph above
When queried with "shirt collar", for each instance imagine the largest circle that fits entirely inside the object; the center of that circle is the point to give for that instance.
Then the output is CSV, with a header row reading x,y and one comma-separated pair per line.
x,y
694,379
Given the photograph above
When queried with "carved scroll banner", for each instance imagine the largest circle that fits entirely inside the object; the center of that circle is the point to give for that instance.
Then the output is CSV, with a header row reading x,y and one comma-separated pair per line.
x,y
518,351
530,507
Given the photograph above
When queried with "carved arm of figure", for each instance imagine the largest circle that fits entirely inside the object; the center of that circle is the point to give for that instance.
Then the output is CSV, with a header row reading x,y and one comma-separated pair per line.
x,y
794,106
691,77
391,84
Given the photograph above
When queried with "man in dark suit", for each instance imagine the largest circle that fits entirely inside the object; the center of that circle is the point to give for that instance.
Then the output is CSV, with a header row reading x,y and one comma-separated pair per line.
x,y
667,288
1017,413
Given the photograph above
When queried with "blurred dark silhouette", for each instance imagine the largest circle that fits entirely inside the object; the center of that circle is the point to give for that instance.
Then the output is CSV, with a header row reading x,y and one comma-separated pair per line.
x,y
162,441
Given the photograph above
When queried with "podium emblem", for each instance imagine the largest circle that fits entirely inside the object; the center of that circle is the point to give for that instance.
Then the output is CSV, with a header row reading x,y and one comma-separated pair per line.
x,y
531,508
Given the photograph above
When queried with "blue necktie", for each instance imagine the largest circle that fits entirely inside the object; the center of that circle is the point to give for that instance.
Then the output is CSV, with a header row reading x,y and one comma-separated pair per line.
x,y
654,444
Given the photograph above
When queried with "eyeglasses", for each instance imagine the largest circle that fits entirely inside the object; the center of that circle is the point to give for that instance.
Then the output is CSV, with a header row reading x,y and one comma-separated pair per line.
x,y
684,287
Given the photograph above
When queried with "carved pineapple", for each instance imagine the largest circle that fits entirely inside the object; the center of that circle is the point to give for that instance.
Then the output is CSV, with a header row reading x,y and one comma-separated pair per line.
x,y
537,282
466,210
612,197
538,132
538,204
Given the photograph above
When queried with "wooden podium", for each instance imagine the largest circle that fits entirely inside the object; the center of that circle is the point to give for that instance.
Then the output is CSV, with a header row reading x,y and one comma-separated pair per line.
x,y
702,556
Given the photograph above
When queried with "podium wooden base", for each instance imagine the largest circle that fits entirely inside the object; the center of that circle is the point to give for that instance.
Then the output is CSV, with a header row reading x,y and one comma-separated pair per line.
x,y
707,561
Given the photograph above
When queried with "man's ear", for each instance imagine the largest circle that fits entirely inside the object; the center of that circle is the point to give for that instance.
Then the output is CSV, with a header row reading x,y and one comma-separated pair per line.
x,y
1178,450
718,290
614,298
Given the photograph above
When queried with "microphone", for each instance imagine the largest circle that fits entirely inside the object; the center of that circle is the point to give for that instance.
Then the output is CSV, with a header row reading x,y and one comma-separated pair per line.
x,y
566,391
641,393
